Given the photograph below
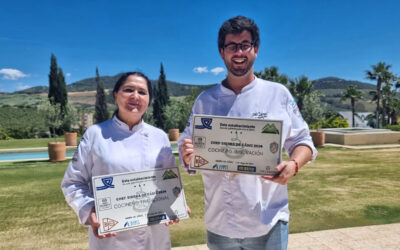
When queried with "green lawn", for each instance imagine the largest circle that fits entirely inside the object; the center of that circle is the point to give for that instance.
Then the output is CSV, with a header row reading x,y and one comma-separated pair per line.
x,y
342,188
28,143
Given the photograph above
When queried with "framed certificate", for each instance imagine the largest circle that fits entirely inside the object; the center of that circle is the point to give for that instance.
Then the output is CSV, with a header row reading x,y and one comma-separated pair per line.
x,y
251,146
130,200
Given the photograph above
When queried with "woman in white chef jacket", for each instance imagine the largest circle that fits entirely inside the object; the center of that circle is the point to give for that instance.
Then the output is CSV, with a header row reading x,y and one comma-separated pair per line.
x,y
125,143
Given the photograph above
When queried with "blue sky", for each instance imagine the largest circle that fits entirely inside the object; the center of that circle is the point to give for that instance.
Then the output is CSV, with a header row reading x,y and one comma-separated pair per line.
x,y
316,38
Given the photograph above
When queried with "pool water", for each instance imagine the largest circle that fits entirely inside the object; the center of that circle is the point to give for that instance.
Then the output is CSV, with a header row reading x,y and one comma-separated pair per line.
x,y
42,154
29,155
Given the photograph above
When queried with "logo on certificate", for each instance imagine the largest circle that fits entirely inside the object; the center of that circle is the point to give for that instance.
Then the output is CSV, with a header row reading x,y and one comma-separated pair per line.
x,y
107,182
104,203
169,174
199,161
205,123
109,223
270,128
176,191
199,141
273,147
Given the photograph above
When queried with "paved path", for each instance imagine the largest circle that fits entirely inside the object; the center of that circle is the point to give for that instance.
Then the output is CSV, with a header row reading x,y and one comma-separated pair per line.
x,y
356,238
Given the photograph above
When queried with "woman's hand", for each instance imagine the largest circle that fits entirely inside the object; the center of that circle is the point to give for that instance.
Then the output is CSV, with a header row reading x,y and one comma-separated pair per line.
x,y
96,224
186,149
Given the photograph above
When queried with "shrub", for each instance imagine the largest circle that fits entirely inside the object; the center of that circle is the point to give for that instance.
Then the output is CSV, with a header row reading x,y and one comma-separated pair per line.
x,y
4,135
393,127
331,122
20,123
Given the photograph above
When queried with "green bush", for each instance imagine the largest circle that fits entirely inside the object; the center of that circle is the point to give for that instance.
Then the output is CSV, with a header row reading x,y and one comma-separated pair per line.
x,y
393,127
20,123
331,122
4,135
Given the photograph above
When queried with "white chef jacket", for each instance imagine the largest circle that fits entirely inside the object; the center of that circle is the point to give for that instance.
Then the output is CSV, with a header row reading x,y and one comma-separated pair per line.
x,y
108,148
243,205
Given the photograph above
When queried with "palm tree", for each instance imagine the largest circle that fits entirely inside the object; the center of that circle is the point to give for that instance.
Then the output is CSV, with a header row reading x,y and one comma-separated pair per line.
x,y
394,104
380,73
300,88
354,95
271,74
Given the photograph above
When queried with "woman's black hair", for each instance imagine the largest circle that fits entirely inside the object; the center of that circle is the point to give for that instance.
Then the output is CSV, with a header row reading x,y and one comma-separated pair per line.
x,y
122,80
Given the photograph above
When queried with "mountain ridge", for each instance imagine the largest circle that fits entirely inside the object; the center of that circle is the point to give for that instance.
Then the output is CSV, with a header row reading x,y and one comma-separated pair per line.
x,y
181,89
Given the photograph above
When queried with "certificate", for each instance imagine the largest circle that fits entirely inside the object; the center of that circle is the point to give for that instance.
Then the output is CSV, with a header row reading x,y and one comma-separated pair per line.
x,y
251,146
130,200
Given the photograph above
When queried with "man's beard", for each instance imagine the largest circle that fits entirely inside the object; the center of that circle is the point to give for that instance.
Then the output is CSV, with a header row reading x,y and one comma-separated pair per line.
x,y
242,70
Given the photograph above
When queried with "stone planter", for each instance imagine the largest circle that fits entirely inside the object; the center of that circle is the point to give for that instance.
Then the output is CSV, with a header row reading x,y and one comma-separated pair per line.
x,y
57,151
173,134
318,137
71,138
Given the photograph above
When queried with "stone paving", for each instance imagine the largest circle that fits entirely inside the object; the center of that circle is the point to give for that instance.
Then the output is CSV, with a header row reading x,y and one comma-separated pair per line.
x,y
356,238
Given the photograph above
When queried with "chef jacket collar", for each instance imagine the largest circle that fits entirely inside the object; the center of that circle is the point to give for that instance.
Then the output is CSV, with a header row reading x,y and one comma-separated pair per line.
x,y
226,91
122,125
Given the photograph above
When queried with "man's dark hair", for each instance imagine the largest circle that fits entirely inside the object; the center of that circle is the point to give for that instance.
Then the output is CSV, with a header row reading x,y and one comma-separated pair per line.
x,y
237,25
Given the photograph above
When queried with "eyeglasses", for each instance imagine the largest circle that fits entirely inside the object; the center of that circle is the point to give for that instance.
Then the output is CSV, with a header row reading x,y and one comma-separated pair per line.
x,y
233,47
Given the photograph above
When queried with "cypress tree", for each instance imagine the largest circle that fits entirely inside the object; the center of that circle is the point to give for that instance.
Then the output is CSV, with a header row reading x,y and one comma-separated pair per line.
x,y
157,112
161,99
58,91
53,79
101,105
163,90
62,97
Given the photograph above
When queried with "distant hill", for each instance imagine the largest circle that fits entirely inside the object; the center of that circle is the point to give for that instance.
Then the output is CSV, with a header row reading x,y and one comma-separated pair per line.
x,y
89,84
337,83
331,87
34,90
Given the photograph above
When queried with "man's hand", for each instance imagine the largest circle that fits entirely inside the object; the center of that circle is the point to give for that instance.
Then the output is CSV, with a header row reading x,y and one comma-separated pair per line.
x,y
177,220
186,149
287,170
96,224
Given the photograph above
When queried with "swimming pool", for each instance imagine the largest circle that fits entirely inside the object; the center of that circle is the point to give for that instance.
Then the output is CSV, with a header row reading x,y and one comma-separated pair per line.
x,y
30,154
39,154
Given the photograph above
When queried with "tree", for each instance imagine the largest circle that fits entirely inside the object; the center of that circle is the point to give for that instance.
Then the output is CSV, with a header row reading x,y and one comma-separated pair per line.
x,y
54,118
394,104
52,115
271,74
62,91
101,113
390,101
53,80
381,74
300,88
58,90
177,112
161,99
313,111
354,95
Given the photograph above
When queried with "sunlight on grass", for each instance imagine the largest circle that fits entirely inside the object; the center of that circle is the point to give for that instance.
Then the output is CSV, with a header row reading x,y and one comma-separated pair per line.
x,y
342,188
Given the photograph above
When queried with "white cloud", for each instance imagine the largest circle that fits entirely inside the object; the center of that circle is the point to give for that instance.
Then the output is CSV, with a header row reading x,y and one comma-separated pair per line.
x,y
217,70
12,74
200,70
68,74
21,86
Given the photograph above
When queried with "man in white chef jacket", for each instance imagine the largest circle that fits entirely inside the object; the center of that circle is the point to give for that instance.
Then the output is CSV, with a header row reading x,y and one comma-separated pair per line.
x,y
248,211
